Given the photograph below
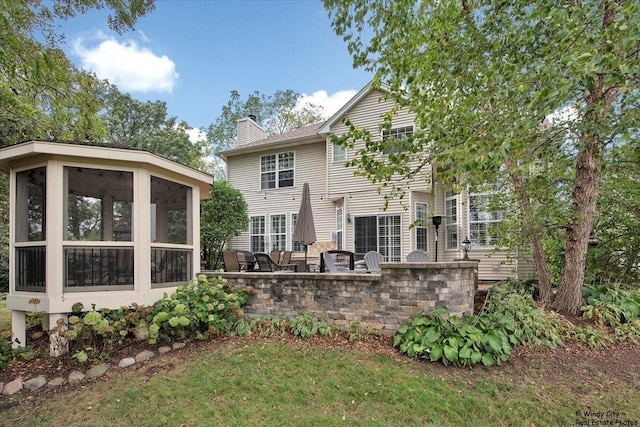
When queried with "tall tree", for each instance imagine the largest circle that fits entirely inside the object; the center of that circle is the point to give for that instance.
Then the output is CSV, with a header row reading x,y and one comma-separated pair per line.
x,y
145,125
515,89
222,216
42,96
277,113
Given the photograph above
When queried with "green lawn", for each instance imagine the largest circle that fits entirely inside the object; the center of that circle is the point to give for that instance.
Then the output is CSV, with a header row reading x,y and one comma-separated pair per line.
x,y
256,382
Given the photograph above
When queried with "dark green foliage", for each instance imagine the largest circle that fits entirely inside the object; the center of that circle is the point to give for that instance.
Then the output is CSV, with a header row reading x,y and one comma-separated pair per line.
x,y
509,318
610,305
222,216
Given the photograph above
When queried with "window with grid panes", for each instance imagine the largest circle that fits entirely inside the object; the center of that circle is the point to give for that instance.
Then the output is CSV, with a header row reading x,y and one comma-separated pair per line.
x,y
483,220
420,226
278,232
256,233
397,134
297,247
451,220
277,170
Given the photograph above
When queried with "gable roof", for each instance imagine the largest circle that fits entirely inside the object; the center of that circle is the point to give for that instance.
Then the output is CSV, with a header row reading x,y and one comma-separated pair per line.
x,y
337,117
301,135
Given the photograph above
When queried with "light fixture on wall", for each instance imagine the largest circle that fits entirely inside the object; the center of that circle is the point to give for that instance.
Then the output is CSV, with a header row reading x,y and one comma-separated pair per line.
x,y
466,246
436,220
349,218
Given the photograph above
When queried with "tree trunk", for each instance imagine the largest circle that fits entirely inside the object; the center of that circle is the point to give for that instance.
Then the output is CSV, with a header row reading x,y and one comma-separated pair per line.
x,y
539,259
586,188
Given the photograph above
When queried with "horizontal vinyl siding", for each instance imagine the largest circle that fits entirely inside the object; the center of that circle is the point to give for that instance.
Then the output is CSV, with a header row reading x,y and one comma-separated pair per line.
x,y
310,166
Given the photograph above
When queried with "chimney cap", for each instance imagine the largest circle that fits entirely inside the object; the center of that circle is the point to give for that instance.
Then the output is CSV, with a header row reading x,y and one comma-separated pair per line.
x,y
252,117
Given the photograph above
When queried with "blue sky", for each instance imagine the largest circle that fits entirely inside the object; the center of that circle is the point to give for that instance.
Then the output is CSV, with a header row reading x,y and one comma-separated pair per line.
x,y
192,53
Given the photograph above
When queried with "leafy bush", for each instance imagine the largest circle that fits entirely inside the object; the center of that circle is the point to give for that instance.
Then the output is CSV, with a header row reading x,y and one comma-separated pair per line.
x,y
305,326
198,311
510,317
452,340
590,336
609,305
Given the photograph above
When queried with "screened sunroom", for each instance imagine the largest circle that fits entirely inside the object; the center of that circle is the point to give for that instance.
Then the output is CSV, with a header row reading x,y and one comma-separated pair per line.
x,y
97,225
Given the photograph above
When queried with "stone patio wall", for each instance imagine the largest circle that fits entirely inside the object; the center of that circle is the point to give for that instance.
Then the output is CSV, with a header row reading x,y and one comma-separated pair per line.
x,y
381,301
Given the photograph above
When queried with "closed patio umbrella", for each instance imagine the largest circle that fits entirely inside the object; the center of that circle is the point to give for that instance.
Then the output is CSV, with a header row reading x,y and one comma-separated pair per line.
x,y
305,230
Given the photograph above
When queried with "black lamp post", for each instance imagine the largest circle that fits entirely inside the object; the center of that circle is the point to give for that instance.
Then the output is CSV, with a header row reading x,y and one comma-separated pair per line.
x,y
436,220
466,245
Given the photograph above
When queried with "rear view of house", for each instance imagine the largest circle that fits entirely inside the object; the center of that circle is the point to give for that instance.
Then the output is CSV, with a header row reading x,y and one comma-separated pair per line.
x,y
270,172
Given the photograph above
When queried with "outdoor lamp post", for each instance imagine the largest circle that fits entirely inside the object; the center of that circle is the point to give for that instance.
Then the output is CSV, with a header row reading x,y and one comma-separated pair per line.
x,y
436,220
466,246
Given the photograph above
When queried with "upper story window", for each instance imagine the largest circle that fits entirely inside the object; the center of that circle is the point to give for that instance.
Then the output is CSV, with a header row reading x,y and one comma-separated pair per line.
x,y
483,220
339,153
276,170
397,134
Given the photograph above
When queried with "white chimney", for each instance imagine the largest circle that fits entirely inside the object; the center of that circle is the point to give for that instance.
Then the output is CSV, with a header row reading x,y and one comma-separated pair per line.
x,y
249,131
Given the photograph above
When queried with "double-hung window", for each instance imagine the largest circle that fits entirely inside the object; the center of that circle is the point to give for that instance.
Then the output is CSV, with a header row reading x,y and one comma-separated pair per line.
x,y
296,246
278,232
451,220
339,227
420,226
483,220
397,134
257,233
339,153
276,170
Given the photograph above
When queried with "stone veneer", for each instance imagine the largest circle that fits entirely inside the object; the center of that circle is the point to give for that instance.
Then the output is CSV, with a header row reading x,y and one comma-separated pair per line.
x,y
381,301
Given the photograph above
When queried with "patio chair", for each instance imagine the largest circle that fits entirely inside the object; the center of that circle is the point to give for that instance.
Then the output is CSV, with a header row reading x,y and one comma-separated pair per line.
x,y
286,257
276,256
417,256
265,263
373,260
329,265
246,259
230,260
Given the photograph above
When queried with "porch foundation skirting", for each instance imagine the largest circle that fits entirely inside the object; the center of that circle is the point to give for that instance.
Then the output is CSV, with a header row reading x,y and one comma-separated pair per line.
x,y
383,301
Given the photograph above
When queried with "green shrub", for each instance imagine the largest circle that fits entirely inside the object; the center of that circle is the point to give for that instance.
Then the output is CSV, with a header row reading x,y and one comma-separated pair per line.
x,y
509,318
198,311
305,326
590,336
609,305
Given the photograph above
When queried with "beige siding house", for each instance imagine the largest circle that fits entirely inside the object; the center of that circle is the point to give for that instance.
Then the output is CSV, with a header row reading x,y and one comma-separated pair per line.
x,y
347,209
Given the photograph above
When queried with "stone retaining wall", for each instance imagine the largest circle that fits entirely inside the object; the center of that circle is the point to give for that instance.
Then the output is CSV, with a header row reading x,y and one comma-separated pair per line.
x,y
381,301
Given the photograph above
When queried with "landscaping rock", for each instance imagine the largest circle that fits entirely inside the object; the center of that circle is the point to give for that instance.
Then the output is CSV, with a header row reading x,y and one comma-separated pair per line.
x,y
97,371
144,355
12,387
56,382
141,334
178,345
76,377
1,385
126,362
35,383
164,349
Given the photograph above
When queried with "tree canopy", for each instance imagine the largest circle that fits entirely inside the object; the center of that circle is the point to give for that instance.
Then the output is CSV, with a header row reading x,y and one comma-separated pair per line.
x,y
277,113
527,94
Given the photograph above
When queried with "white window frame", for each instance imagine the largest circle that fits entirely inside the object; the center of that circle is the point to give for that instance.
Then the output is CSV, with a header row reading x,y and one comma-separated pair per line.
x,y
421,215
339,153
277,164
397,133
340,228
390,243
452,234
482,220
278,232
295,247
260,232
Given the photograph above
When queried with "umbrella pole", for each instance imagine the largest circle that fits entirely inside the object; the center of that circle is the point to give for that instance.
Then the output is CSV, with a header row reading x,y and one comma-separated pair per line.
x,y
306,266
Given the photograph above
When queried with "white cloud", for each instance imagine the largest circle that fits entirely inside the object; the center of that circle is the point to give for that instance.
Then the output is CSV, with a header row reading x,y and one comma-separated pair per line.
x,y
131,67
196,134
331,103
